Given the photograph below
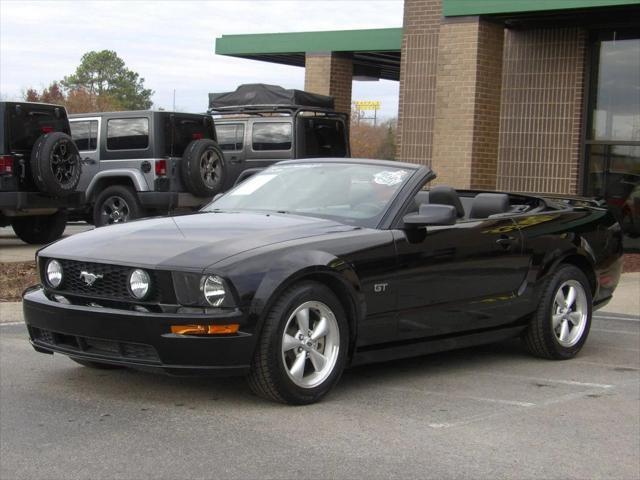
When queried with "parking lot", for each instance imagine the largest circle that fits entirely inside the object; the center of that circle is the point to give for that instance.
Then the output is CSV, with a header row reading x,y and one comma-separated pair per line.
x,y
484,412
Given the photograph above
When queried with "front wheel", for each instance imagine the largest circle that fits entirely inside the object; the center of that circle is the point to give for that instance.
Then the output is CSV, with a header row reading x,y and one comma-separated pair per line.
x,y
303,348
561,324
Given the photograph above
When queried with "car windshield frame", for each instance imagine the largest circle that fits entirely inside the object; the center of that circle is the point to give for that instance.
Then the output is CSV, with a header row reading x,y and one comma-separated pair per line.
x,y
391,179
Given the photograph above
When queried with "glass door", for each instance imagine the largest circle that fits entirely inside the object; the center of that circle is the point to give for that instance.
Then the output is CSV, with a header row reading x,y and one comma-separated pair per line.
x,y
613,135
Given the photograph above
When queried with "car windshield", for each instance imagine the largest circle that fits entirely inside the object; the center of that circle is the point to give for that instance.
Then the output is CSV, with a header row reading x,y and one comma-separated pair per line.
x,y
355,194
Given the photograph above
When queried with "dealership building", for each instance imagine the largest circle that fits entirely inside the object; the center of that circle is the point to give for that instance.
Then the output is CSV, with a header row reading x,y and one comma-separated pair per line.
x,y
519,95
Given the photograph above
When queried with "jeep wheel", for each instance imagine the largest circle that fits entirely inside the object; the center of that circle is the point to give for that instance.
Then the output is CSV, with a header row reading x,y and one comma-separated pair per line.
x,y
202,168
55,164
116,204
40,229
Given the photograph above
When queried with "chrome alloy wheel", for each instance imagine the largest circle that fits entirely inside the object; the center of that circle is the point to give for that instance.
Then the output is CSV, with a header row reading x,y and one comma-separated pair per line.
x,y
64,163
115,210
310,344
210,168
569,313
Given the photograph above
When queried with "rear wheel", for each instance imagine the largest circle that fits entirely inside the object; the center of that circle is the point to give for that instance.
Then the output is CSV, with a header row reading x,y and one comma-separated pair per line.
x,y
40,229
96,365
116,204
561,324
303,347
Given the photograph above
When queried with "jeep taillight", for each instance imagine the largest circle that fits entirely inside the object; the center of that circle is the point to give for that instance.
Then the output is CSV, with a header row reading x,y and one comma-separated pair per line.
x,y
46,129
196,136
6,165
161,168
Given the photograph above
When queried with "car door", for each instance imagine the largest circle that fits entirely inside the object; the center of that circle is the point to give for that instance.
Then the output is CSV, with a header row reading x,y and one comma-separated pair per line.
x,y
269,141
231,140
458,278
85,132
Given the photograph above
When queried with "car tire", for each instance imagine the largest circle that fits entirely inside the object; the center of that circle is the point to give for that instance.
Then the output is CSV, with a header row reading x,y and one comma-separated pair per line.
x,y
96,365
203,168
40,229
560,326
55,164
116,204
295,370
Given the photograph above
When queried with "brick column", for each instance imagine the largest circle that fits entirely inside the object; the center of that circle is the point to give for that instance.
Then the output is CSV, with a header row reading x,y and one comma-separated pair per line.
x,y
542,110
467,112
421,27
330,74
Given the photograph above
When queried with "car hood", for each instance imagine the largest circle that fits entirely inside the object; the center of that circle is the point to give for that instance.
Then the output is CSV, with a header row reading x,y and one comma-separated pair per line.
x,y
190,242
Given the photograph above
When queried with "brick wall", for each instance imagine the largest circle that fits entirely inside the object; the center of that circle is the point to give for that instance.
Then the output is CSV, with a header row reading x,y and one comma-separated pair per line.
x,y
330,74
541,116
416,110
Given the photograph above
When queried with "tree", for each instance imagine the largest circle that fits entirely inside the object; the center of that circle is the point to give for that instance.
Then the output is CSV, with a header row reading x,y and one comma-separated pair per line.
x,y
369,141
75,101
104,73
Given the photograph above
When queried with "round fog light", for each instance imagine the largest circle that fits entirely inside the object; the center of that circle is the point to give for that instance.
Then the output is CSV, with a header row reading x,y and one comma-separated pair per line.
x,y
213,290
139,283
54,273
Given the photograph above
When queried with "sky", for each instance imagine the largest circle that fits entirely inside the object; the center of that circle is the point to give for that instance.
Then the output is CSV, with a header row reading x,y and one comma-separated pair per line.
x,y
171,43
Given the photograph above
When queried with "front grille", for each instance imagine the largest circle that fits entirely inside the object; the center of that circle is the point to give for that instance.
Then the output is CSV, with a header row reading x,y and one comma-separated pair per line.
x,y
105,348
112,284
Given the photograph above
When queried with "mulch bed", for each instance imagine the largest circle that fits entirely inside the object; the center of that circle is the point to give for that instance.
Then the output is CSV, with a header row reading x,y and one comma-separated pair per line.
x,y
15,277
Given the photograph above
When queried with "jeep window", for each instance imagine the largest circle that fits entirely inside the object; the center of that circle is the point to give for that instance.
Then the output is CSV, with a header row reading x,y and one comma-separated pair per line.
x,y
181,130
85,135
271,136
28,122
324,137
127,134
230,136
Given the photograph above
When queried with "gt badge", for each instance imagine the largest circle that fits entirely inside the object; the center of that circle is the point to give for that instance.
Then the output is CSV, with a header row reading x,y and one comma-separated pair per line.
x,y
380,287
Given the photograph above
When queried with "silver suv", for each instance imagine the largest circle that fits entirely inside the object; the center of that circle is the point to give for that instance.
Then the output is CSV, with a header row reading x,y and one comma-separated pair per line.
x,y
143,163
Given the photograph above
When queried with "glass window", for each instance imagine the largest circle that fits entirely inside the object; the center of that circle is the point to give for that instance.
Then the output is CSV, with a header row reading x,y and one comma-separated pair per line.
x,y
181,130
323,137
85,135
27,122
230,136
128,134
357,194
271,136
616,96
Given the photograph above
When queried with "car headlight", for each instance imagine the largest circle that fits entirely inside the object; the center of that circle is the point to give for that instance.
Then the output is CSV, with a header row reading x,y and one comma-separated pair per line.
x,y
54,273
139,283
212,287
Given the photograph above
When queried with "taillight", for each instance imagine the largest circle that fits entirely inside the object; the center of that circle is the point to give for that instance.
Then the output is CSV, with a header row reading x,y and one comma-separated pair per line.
x,y
196,136
46,129
6,165
161,168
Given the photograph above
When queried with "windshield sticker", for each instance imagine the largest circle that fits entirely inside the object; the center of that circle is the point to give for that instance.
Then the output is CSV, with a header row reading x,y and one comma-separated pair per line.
x,y
390,177
251,185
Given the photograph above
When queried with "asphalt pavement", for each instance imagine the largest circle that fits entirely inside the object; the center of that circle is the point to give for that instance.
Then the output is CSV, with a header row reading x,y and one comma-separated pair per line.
x,y
12,249
488,412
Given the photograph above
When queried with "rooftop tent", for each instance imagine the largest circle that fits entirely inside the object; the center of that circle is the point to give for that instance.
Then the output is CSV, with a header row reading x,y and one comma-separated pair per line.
x,y
262,95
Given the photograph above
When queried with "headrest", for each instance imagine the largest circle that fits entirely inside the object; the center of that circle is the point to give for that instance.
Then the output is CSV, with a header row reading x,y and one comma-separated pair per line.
x,y
486,204
443,195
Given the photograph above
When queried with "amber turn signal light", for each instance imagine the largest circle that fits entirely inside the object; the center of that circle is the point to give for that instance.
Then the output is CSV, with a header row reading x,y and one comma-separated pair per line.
x,y
205,329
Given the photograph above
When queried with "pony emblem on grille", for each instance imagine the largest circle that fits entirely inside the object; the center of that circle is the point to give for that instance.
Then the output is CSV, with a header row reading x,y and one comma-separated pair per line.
x,y
90,278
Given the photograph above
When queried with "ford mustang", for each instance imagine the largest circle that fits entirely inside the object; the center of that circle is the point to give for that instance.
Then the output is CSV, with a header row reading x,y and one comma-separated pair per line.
x,y
311,266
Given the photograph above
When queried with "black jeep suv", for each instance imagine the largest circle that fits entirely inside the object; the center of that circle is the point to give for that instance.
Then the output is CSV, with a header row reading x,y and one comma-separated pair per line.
x,y
39,170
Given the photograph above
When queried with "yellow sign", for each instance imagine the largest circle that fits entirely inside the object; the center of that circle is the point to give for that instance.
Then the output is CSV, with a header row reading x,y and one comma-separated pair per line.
x,y
367,104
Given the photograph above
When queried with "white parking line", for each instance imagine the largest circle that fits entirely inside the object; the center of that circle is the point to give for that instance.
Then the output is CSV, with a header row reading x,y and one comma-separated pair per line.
x,y
11,323
550,380
625,332
619,319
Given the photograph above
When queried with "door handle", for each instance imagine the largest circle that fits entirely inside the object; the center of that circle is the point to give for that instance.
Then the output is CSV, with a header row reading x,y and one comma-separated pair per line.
x,y
234,159
505,241
88,161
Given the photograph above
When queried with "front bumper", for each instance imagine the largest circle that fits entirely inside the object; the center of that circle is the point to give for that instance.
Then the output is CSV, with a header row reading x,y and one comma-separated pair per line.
x,y
135,339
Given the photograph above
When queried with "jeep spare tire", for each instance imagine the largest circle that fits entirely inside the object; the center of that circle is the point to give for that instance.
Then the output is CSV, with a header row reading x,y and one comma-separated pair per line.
x,y
202,168
55,164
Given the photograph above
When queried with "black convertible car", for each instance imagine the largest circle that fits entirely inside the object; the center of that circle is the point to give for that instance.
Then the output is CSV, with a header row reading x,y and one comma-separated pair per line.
x,y
314,265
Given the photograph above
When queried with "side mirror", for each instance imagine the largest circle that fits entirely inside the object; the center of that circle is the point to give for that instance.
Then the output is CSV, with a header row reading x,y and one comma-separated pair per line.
x,y
431,214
